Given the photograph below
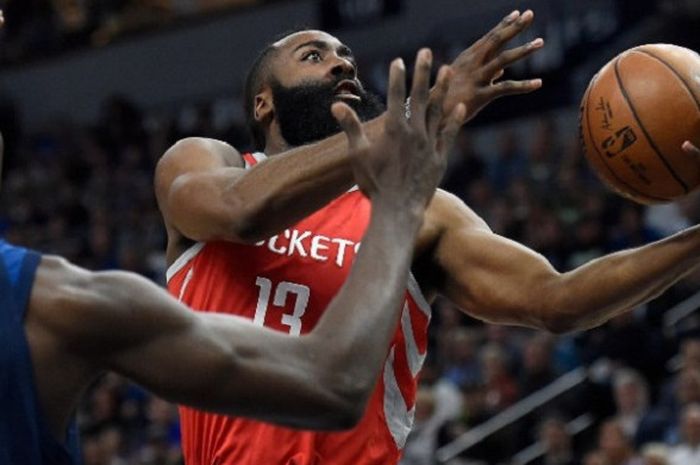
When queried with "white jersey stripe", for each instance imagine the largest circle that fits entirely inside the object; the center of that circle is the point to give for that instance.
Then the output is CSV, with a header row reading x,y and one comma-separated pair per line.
x,y
183,260
398,418
259,156
415,358
185,283
417,294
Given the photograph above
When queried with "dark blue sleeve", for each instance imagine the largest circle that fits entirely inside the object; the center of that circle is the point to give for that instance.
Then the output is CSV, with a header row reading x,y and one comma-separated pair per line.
x,y
17,276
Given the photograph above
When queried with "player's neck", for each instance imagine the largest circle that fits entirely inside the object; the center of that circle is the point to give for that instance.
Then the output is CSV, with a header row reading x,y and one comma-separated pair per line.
x,y
274,142
273,147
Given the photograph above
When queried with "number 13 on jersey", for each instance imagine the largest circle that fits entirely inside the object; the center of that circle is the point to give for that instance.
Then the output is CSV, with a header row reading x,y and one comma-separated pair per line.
x,y
281,292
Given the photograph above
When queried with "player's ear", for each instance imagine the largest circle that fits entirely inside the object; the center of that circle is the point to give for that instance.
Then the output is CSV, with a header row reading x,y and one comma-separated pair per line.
x,y
264,106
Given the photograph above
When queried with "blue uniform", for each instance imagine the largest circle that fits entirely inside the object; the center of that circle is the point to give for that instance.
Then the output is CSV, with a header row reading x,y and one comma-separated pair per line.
x,y
25,438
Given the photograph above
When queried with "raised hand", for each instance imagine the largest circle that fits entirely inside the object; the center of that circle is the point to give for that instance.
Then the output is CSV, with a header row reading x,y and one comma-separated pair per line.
x,y
477,68
406,163
690,149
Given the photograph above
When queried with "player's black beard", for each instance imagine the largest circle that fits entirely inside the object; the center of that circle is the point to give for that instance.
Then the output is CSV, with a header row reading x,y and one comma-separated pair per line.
x,y
304,112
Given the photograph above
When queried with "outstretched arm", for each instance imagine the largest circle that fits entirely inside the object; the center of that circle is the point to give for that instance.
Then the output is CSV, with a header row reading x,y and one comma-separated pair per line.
x,y
501,281
123,322
204,194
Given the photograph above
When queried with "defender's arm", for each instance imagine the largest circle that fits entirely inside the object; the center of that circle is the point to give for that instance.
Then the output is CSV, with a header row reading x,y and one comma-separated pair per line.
x,y
122,322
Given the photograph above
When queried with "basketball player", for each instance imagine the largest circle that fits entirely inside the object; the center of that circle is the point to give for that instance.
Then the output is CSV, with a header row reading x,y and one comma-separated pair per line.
x,y
62,326
286,222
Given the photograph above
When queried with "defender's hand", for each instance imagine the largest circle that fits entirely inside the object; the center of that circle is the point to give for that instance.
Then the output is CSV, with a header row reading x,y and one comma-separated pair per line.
x,y
477,68
403,165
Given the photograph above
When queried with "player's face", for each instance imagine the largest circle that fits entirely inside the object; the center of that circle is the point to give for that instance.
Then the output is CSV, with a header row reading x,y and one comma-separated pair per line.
x,y
317,57
311,71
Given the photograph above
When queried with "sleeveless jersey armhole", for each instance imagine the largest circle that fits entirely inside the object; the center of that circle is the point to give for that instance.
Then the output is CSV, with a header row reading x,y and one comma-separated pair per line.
x,y
252,158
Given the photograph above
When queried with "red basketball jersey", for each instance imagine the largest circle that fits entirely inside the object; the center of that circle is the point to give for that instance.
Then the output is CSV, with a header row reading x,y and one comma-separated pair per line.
x,y
285,283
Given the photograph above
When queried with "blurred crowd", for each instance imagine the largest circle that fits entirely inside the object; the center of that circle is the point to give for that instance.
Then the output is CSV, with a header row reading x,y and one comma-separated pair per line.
x,y
85,192
38,28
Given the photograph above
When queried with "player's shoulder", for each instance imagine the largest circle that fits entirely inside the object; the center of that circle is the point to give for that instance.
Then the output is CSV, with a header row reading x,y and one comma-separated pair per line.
x,y
198,151
56,276
193,155
446,214
446,210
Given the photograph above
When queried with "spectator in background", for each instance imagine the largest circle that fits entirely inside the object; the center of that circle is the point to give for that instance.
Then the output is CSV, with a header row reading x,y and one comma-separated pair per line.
x,y
544,154
588,241
509,340
463,366
544,232
594,458
163,424
537,370
688,357
475,411
501,388
447,317
690,353
556,441
687,392
627,340
467,166
614,446
655,454
509,164
687,452
631,395
631,230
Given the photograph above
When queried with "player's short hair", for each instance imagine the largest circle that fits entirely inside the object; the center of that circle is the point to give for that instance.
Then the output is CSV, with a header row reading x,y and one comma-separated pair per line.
x,y
258,75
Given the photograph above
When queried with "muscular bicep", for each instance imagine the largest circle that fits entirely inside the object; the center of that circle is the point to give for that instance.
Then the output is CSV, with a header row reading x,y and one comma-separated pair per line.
x,y
122,322
489,276
193,185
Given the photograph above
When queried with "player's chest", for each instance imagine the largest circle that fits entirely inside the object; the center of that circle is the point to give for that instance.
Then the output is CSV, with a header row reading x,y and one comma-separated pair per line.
x,y
324,242
287,280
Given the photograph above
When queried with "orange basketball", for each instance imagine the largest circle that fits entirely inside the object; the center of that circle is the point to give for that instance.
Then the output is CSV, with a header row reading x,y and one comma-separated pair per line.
x,y
635,115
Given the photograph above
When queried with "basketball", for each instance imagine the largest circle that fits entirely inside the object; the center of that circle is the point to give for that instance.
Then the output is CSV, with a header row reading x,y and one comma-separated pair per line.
x,y
635,115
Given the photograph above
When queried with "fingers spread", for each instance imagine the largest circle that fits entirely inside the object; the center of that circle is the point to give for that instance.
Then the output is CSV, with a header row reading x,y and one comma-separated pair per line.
x,y
437,101
498,75
498,37
503,88
397,90
505,22
420,88
507,58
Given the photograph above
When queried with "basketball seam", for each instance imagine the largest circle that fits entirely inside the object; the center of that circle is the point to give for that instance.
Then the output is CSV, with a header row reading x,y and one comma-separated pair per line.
x,y
676,73
641,126
602,158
